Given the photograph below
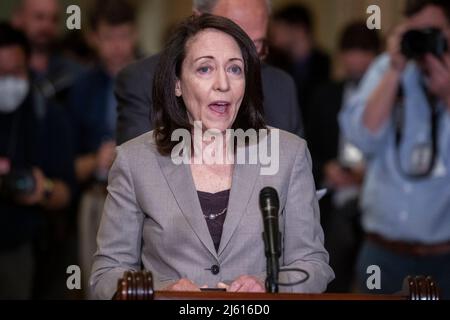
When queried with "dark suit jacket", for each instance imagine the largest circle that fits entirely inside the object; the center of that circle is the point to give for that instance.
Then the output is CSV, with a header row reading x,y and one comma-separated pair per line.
x,y
89,110
134,96
323,128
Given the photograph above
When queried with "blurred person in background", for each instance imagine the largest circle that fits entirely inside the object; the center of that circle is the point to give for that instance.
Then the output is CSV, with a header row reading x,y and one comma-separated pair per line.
x,y
75,46
400,119
94,116
40,21
35,167
134,83
292,33
338,165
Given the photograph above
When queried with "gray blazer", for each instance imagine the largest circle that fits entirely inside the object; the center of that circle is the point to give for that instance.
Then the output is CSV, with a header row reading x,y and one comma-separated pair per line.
x,y
133,91
153,219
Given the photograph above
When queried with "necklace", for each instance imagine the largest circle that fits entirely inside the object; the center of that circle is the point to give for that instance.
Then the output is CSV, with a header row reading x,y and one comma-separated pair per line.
x,y
213,216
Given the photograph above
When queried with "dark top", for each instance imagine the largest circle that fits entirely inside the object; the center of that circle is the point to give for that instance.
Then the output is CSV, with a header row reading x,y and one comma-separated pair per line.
x,y
92,108
308,74
38,141
323,129
214,204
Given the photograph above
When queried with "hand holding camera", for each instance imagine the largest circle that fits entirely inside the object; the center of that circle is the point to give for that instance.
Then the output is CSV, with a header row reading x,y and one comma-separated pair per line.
x,y
438,71
398,60
37,196
429,47
27,187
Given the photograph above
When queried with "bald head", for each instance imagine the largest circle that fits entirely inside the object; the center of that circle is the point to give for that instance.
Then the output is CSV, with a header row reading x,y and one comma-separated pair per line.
x,y
39,21
251,15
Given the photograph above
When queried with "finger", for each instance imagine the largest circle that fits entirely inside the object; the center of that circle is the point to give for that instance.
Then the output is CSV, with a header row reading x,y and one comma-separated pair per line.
x,y
222,285
235,286
252,284
247,286
435,66
257,288
446,61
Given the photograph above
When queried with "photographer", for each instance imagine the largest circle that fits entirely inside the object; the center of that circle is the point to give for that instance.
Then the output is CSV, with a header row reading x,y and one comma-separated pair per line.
x,y
33,175
401,120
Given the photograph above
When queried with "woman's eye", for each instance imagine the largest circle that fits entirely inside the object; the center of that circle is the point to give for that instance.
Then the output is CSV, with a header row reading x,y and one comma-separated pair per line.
x,y
235,70
203,70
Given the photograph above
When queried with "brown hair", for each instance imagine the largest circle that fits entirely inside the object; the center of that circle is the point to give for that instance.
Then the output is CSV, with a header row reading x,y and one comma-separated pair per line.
x,y
169,111
112,12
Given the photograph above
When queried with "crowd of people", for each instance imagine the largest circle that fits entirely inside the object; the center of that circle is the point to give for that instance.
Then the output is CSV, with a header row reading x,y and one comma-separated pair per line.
x,y
377,138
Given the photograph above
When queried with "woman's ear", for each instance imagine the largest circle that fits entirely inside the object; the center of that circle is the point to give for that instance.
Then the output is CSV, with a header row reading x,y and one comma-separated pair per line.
x,y
178,92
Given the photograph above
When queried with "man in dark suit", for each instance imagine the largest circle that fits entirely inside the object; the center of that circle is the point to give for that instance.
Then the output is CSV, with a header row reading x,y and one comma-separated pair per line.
x,y
295,50
92,103
134,84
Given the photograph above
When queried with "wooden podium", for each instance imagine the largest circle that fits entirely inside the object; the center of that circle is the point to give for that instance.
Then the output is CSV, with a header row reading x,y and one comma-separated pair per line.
x,y
139,286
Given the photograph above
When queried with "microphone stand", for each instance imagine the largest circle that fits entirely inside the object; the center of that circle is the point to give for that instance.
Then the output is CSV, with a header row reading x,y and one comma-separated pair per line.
x,y
273,267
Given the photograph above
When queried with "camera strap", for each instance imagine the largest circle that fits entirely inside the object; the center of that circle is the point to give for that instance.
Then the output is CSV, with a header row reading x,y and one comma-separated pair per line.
x,y
399,123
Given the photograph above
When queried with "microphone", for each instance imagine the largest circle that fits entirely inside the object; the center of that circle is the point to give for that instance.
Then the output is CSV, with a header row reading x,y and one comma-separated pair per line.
x,y
50,86
269,205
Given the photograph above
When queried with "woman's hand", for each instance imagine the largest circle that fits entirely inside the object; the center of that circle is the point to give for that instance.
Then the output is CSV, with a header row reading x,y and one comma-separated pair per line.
x,y
183,285
244,284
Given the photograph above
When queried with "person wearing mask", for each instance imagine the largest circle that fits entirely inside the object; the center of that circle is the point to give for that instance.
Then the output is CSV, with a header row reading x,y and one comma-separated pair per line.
x,y
35,166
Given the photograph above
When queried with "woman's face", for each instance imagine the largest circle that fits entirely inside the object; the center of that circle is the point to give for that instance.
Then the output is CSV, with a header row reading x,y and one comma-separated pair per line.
x,y
212,82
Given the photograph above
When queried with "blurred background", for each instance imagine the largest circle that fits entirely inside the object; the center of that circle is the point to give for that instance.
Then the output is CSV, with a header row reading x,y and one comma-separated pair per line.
x,y
58,120
155,17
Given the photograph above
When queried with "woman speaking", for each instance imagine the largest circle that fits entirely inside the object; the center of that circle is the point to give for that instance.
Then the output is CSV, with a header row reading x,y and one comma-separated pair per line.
x,y
197,223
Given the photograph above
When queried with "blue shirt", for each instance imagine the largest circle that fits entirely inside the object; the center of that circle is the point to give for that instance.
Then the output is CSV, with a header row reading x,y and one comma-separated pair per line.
x,y
395,206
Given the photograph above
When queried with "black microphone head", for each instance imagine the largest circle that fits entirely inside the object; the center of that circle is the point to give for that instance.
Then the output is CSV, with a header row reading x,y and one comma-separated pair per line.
x,y
269,196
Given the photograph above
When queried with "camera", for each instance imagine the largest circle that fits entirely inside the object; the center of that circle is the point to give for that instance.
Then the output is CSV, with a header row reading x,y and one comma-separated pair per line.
x,y
18,182
418,42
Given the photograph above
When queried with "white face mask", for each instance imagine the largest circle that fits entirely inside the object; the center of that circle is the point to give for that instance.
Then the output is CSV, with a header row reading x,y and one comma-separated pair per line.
x,y
13,92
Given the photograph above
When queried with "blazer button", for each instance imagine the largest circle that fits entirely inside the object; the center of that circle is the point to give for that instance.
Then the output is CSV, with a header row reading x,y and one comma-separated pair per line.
x,y
215,269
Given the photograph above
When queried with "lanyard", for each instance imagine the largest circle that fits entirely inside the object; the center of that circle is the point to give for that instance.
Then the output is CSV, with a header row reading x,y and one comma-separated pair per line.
x,y
399,122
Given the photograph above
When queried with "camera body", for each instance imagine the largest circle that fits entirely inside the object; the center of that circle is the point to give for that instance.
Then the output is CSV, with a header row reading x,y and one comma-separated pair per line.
x,y
418,42
18,182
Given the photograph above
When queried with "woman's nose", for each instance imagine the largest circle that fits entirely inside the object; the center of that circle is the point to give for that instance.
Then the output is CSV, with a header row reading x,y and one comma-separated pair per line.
x,y
221,81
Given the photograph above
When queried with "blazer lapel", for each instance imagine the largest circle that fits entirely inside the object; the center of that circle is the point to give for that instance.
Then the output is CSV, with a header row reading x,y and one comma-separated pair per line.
x,y
244,179
179,179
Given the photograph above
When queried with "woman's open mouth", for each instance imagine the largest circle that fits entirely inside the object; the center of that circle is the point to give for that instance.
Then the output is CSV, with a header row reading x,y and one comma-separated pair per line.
x,y
219,107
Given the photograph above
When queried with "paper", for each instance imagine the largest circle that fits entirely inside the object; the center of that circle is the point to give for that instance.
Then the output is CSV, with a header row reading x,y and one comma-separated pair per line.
x,y
321,193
